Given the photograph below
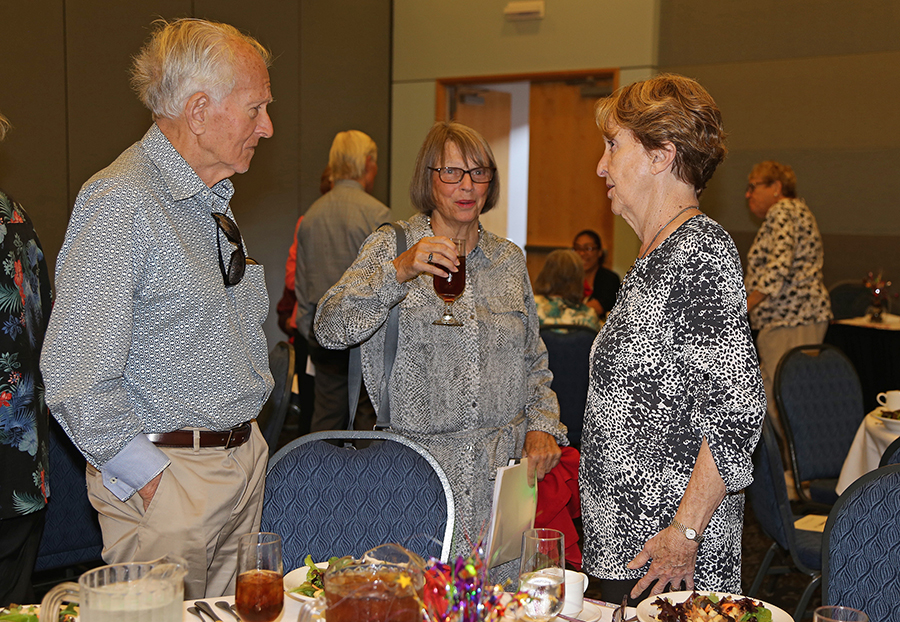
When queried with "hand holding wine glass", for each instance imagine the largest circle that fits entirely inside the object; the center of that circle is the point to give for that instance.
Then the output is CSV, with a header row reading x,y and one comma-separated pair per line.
x,y
259,596
450,288
542,574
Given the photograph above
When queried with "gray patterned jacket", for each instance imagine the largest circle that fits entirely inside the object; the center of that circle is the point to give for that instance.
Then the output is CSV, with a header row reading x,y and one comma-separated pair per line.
x,y
467,393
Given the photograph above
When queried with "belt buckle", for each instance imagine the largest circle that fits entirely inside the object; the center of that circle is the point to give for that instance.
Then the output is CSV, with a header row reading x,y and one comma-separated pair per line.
x,y
228,440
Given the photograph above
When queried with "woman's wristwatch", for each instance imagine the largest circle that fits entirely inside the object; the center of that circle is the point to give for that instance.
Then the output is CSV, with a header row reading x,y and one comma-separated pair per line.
x,y
690,534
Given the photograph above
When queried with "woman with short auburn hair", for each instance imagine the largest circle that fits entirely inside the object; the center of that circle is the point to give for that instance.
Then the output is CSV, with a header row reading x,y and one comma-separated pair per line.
x,y
675,402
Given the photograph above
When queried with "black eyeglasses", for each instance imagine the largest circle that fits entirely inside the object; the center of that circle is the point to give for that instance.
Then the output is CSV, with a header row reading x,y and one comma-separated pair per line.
x,y
237,264
454,175
585,249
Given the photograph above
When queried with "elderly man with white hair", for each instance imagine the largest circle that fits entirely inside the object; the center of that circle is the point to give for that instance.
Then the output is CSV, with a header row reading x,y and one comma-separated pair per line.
x,y
328,240
155,360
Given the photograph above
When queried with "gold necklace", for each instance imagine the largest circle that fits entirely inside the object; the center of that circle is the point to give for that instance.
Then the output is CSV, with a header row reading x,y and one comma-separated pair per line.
x,y
649,246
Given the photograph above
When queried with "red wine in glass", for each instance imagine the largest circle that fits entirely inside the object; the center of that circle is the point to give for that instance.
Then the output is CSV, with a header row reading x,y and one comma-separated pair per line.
x,y
449,288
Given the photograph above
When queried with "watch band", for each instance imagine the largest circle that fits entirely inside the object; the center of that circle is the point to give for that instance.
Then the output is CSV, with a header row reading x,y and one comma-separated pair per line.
x,y
687,532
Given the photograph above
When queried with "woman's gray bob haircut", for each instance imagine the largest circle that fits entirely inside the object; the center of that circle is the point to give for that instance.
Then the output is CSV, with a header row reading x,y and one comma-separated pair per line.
x,y
188,56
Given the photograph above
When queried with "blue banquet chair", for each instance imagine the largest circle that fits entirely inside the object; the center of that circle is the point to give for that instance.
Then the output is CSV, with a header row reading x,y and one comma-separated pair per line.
x,y
326,500
861,550
820,402
271,418
569,359
71,531
891,454
769,499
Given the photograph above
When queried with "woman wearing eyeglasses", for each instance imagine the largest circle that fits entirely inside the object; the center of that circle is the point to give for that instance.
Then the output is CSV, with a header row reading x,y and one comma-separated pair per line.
x,y
474,395
600,284
786,296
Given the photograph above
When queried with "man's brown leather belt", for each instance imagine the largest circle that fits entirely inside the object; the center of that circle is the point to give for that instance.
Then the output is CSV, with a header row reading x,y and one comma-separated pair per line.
x,y
235,437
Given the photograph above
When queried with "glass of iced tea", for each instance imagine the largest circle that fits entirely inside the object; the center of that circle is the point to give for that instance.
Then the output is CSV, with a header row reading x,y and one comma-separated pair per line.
x,y
259,596
449,288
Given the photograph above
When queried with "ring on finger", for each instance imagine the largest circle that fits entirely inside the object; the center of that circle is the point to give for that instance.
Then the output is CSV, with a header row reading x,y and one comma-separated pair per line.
x,y
430,257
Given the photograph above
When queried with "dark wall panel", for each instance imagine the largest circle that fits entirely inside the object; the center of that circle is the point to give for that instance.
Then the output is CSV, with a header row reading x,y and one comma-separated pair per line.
x,y
712,31
33,161
345,74
811,84
105,116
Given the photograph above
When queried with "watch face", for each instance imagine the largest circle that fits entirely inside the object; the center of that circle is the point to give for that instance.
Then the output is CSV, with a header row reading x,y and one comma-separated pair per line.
x,y
690,533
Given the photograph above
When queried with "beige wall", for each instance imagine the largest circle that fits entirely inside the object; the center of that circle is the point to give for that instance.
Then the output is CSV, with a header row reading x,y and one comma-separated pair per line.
x,y
434,39
811,84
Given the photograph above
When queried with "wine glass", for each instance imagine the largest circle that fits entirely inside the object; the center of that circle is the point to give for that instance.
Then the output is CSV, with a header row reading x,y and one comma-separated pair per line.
x,y
259,596
542,576
839,614
450,287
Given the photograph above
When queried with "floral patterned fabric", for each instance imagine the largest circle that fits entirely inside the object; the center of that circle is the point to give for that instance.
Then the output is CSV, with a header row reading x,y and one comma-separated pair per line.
x,y
554,310
673,365
24,311
785,263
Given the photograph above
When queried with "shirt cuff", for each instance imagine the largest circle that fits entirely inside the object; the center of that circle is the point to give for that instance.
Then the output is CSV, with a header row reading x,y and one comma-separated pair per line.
x,y
133,467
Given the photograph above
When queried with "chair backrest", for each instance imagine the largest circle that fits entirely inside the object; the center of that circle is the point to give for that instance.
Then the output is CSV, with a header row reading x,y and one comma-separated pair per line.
x,y
861,550
820,401
326,500
891,454
849,299
769,496
71,531
569,360
271,417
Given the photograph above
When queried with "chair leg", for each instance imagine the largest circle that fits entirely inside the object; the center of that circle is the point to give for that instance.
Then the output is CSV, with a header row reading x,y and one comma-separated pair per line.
x,y
763,569
806,596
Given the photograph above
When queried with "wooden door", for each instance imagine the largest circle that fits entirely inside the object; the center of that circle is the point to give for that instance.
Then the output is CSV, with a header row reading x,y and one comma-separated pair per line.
x,y
489,113
565,195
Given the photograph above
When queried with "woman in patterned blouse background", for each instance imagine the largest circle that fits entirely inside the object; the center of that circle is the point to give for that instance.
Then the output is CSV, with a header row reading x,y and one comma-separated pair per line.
x,y
675,402
786,296
559,292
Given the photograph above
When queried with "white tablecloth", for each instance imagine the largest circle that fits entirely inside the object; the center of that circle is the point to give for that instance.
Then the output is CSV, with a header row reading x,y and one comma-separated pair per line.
x,y
872,438
601,612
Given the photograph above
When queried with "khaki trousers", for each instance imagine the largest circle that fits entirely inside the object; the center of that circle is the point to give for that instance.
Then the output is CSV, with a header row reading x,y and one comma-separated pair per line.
x,y
773,343
206,500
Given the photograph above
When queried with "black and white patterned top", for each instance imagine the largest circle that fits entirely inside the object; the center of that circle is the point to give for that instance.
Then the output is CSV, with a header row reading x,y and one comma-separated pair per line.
x,y
469,393
673,365
785,263
144,335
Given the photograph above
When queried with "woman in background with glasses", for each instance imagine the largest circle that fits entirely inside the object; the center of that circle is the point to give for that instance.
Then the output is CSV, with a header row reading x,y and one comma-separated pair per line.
x,y
600,284
475,395
786,296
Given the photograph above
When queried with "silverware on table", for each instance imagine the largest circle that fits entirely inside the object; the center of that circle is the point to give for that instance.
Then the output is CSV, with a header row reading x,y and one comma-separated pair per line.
x,y
221,604
618,614
205,608
196,612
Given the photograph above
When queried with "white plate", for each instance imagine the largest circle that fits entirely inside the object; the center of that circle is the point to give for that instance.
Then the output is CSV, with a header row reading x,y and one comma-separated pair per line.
x,y
646,611
296,578
589,613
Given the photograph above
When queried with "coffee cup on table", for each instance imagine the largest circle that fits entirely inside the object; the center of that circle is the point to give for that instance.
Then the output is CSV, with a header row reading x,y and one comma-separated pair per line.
x,y
576,584
890,400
